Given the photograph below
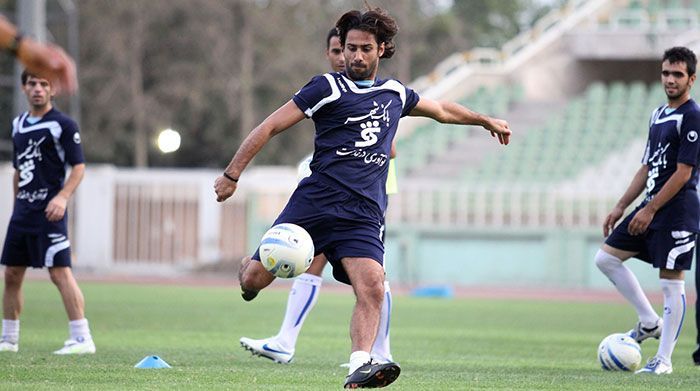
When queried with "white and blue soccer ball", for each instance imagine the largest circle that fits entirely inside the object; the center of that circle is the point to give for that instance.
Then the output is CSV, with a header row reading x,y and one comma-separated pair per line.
x,y
619,352
286,250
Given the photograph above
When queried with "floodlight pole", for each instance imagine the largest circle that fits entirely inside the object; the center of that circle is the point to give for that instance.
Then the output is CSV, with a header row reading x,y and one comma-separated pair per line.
x,y
73,48
31,20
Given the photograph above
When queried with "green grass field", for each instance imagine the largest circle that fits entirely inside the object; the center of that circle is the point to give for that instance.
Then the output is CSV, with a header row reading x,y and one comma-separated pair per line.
x,y
441,344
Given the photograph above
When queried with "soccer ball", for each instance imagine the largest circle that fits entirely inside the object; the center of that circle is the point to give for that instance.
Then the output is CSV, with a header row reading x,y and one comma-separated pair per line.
x,y
619,352
286,250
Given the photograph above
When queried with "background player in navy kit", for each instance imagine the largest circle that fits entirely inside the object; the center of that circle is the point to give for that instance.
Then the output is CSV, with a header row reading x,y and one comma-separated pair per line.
x,y
663,228
45,140
306,287
342,203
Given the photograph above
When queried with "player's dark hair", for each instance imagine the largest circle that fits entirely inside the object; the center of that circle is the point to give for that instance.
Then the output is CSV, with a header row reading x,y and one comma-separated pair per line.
x,y
375,21
331,33
682,54
25,76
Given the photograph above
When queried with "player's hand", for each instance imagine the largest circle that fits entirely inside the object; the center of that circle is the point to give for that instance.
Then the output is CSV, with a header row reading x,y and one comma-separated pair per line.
x,y
640,222
50,62
224,188
499,128
611,219
56,208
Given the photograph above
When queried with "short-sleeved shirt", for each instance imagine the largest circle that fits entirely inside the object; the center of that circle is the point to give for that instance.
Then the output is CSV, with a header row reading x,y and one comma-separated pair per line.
x,y
355,127
673,139
42,150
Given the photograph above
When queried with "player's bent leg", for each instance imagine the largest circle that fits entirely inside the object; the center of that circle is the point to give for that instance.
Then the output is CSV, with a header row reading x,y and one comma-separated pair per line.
x,y
302,298
12,307
253,277
80,340
610,261
72,296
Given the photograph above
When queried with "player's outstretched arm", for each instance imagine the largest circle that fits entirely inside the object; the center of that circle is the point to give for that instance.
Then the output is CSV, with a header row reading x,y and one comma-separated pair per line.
x,y
56,208
282,119
633,191
454,113
47,61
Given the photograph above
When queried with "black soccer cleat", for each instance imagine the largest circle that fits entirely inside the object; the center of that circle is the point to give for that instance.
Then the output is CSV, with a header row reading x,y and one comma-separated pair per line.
x,y
696,356
248,295
373,375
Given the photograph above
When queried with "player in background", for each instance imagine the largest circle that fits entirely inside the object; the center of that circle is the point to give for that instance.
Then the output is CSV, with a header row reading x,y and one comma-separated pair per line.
x,y
306,287
343,203
45,141
663,228
44,60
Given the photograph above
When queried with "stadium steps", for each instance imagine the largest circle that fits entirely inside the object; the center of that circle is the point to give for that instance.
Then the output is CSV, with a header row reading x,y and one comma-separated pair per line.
x,y
476,144
601,122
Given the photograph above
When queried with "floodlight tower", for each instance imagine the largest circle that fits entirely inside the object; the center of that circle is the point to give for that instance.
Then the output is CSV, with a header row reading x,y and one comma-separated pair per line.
x,y
31,20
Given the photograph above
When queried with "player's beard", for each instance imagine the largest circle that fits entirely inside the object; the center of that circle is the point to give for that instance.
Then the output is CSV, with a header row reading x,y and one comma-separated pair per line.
x,y
362,75
679,93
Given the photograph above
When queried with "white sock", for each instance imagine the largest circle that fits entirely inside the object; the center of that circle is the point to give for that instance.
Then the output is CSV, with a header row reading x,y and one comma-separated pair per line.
x,y
358,359
381,348
628,285
79,329
302,298
674,311
10,330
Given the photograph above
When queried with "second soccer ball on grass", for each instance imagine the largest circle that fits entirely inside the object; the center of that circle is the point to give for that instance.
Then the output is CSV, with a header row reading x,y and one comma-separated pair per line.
x,y
619,352
286,250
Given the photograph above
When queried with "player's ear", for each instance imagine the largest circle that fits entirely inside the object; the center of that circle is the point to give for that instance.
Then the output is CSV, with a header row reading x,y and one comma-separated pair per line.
x,y
380,50
692,79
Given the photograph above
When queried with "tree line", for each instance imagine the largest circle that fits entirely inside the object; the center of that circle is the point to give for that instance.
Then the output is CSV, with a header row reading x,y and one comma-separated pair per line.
x,y
212,69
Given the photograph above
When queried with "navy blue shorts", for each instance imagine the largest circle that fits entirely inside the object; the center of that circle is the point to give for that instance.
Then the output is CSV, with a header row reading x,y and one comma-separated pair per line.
x,y
341,224
664,249
37,249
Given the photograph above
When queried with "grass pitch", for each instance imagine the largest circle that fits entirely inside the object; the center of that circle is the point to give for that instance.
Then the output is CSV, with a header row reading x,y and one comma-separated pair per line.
x,y
441,344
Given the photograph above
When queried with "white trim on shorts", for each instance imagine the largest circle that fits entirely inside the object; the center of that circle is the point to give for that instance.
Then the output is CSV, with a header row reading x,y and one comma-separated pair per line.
x,y
679,250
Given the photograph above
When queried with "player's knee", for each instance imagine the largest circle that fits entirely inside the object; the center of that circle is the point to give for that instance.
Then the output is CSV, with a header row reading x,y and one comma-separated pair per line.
x,y
606,261
59,275
370,291
254,276
13,277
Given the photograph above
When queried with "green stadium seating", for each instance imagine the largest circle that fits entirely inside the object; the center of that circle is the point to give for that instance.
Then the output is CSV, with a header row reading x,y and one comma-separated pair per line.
x,y
433,139
600,121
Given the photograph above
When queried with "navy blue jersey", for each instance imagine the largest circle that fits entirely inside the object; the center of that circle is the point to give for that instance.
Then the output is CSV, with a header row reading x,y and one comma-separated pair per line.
x,y
41,152
355,127
673,139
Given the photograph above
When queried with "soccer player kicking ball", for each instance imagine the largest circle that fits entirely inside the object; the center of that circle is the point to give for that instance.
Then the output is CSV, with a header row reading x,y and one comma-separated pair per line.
x,y
342,204
663,228
306,287
45,140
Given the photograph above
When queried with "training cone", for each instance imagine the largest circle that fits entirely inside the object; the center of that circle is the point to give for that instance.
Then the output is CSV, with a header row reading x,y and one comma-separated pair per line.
x,y
154,362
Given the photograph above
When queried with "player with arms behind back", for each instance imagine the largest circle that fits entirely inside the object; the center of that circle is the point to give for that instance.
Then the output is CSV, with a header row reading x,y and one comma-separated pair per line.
x,y
343,203
45,140
306,287
663,228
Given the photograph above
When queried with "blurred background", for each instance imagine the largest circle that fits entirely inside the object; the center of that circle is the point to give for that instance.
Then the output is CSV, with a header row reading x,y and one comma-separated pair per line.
x,y
577,80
